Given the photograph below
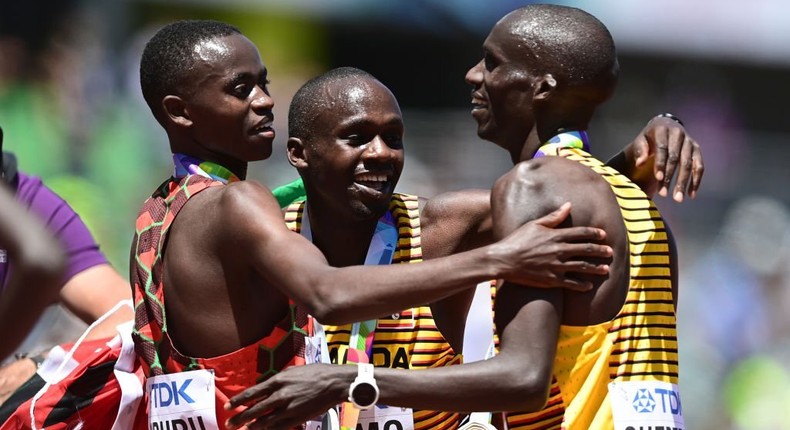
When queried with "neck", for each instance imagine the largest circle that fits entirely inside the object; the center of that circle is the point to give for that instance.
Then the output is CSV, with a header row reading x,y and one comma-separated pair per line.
x,y
343,242
540,134
238,167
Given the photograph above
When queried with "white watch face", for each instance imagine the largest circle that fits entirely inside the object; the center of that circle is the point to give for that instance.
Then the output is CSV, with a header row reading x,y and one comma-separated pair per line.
x,y
364,394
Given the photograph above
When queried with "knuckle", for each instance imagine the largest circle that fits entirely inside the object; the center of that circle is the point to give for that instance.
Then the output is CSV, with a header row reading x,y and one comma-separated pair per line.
x,y
673,158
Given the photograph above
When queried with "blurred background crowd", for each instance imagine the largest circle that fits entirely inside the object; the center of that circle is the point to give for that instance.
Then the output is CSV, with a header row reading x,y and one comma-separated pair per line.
x,y
72,111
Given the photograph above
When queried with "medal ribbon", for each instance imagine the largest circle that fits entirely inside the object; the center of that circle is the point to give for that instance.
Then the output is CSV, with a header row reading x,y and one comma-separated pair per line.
x,y
189,165
360,345
564,139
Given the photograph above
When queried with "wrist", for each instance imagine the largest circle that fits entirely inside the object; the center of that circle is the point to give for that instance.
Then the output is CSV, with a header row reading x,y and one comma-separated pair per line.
x,y
363,393
496,255
669,116
35,359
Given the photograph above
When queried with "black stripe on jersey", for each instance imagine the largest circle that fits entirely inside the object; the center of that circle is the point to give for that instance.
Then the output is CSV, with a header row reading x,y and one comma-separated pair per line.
x,y
640,338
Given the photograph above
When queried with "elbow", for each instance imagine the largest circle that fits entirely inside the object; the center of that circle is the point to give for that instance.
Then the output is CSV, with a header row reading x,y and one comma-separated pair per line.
x,y
525,391
328,306
328,314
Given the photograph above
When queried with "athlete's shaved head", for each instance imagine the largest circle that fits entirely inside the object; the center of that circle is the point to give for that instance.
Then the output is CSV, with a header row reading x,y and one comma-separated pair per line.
x,y
568,43
312,98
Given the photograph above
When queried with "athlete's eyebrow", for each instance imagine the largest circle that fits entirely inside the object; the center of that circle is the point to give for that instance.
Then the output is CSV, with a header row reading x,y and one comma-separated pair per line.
x,y
364,122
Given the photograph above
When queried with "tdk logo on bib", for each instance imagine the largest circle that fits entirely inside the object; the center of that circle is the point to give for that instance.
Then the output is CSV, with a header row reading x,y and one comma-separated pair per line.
x,y
164,394
183,400
645,405
669,401
643,401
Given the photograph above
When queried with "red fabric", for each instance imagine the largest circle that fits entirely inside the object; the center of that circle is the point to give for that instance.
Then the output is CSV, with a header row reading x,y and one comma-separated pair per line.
x,y
87,398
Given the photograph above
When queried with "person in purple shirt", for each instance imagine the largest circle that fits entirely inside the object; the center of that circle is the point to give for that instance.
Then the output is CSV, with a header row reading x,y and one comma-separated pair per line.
x,y
89,288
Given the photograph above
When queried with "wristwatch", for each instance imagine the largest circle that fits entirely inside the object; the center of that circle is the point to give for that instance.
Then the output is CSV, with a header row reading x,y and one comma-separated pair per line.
x,y
364,393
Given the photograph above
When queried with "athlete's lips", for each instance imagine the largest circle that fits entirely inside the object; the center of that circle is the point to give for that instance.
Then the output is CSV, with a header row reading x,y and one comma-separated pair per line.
x,y
265,125
478,101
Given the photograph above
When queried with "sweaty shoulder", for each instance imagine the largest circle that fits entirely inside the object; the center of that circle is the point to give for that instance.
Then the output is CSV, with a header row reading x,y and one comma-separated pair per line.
x,y
548,182
247,204
536,187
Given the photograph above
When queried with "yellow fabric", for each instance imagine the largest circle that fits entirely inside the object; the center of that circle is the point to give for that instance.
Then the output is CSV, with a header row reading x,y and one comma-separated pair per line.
x,y
640,343
409,339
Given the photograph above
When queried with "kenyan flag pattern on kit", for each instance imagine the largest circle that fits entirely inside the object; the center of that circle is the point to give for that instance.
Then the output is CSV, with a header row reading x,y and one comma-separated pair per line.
x,y
254,363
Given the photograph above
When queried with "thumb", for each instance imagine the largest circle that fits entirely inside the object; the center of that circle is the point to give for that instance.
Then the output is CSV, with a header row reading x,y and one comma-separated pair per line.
x,y
555,218
641,151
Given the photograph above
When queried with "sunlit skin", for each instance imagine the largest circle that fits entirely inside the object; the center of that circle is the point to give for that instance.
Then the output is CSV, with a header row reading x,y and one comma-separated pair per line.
x,y
516,107
226,111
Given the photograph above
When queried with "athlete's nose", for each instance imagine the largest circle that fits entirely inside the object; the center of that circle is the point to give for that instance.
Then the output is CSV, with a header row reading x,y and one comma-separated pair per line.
x,y
474,76
262,100
378,149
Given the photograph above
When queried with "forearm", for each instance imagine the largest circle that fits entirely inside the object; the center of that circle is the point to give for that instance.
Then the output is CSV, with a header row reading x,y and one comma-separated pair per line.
x,y
362,292
498,384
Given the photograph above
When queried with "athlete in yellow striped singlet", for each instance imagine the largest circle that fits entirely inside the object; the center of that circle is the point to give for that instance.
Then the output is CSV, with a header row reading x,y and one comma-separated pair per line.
x,y
408,339
639,343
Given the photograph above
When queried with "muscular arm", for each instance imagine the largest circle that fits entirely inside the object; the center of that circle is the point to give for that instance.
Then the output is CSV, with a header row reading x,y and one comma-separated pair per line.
x,y
518,378
341,295
38,263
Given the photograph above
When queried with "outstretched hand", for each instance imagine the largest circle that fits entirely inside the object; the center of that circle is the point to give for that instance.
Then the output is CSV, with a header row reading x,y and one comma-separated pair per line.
x,y
291,397
546,254
661,151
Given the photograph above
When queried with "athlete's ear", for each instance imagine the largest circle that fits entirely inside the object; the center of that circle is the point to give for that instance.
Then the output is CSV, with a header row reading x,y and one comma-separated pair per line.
x,y
176,111
544,87
296,153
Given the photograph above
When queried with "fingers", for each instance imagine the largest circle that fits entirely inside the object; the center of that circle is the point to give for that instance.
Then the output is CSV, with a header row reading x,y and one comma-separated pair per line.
x,y
254,412
660,138
673,145
555,218
684,170
697,169
580,234
254,393
573,251
575,285
641,151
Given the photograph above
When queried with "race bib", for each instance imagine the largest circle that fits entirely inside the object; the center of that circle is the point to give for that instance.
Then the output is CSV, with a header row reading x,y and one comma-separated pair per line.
x,y
182,400
386,418
646,404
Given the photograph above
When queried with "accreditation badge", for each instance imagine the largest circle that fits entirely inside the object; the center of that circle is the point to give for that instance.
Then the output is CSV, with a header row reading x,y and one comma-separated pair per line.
x,y
386,418
646,404
182,400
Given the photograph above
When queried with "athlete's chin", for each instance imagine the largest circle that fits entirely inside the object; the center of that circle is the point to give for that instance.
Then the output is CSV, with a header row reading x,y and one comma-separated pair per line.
x,y
262,152
366,210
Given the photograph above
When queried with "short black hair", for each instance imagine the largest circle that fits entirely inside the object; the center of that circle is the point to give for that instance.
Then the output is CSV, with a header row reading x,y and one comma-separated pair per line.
x,y
571,44
169,57
308,100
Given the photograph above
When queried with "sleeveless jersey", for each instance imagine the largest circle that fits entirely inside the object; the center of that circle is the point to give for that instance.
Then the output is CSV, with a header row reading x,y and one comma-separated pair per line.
x,y
409,339
639,343
233,372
